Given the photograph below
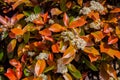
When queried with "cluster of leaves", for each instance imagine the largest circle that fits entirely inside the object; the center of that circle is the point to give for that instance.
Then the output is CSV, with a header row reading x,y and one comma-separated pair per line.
x,y
33,46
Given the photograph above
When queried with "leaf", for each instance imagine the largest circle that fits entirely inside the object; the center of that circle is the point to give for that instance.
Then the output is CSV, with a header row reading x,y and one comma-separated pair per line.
x,y
117,30
115,10
67,76
3,20
111,52
103,73
45,32
69,54
15,63
74,71
1,55
37,9
55,11
11,45
92,53
65,19
55,48
49,68
17,31
94,15
91,50
90,65
107,29
45,17
80,2
63,5
20,48
28,78
77,23
98,35
10,74
112,40
40,66
26,37
56,28
110,70
17,3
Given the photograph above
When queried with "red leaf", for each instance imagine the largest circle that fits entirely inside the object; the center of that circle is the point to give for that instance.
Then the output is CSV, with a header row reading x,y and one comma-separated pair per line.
x,y
15,63
107,29
65,19
77,23
45,17
19,73
10,74
112,40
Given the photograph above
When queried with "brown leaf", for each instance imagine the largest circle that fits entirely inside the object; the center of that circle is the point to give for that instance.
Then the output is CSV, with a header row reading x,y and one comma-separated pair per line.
x,y
55,11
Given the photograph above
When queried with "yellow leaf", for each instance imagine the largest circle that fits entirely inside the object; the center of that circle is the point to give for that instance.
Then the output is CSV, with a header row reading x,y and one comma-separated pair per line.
x,y
11,45
67,76
80,2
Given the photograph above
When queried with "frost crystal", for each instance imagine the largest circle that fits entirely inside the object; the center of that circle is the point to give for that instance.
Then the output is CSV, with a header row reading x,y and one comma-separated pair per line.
x,y
31,54
42,56
96,6
95,25
79,43
61,68
85,10
67,35
43,76
31,17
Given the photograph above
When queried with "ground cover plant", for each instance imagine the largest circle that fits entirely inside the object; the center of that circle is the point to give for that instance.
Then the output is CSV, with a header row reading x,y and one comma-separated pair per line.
x,y
59,39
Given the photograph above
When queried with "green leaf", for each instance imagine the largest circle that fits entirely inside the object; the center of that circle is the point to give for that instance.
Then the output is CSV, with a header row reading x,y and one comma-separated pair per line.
x,y
76,73
90,65
48,69
82,32
5,34
26,72
26,13
26,37
1,55
63,5
37,9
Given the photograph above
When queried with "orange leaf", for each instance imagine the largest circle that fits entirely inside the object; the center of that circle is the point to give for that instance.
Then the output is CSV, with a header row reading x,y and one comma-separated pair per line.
x,y
55,48
55,11
117,30
17,3
116,10
11,45
113,20
111,52
38,21
77,23
45,32
10,74
98,35
19,73
45,17
94,15
51,57
40,66
80,2
15,63
28,78
56,28
112,40
106,28
19,16
49,38
69,54
65,19
17,31
93,58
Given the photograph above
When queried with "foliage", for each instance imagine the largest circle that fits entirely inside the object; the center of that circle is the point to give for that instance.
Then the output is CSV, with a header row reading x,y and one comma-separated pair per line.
x,y
58,39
